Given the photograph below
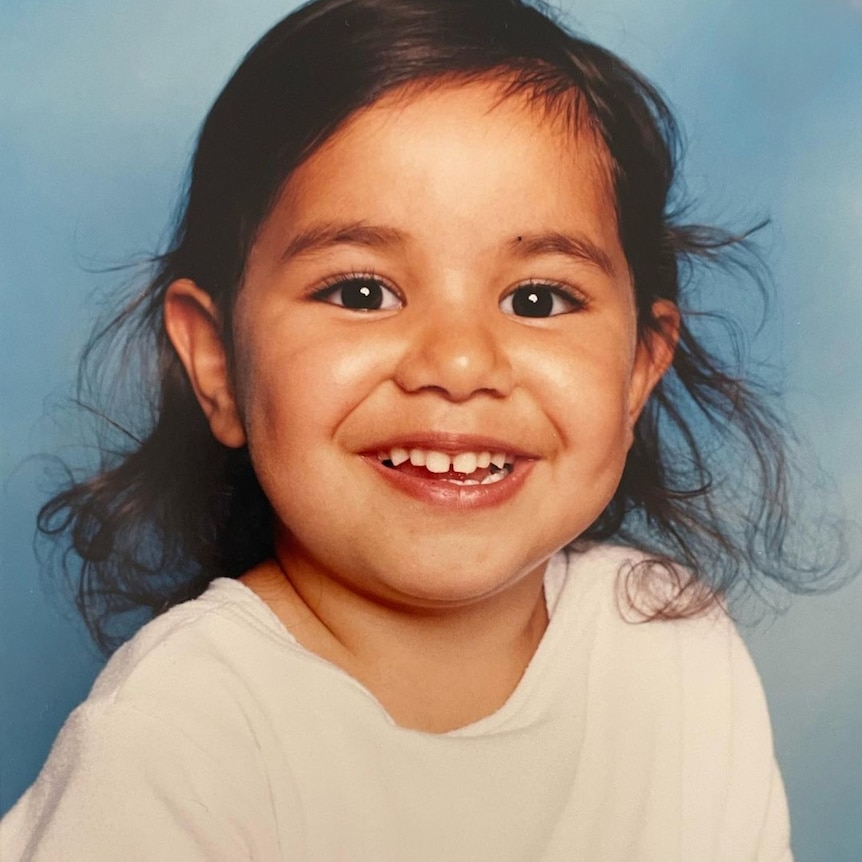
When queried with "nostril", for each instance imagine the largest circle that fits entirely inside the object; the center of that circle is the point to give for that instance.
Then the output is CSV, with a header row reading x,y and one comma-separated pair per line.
x,y
455,366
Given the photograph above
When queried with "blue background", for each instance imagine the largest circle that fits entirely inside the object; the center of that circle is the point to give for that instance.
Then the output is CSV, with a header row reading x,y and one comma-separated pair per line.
x,y
99,104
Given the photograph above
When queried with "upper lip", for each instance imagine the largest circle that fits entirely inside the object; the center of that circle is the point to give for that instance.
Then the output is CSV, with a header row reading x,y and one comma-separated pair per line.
x,y
451,443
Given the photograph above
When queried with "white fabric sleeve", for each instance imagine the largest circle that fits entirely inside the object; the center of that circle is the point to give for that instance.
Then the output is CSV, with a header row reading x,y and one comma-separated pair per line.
x,y
121,784
758,779
730,747
775,835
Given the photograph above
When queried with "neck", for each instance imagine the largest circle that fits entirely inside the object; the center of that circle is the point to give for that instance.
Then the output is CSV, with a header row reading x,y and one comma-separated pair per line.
x,y
432,669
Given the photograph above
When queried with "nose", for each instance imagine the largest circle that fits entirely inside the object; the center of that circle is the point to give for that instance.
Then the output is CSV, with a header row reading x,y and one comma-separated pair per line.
x,y
455,357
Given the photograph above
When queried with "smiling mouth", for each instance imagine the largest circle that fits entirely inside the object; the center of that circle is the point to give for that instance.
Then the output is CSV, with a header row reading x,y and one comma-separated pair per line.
x,y
463,468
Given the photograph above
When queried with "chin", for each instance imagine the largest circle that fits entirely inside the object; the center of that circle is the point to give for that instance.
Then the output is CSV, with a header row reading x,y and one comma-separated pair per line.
x,y
456,582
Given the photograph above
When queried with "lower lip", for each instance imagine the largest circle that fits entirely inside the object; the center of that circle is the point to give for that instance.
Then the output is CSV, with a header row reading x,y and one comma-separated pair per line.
x,y
439,492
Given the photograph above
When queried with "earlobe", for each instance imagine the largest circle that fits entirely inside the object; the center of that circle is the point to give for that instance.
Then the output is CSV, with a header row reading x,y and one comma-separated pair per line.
x,y
655,352
192,324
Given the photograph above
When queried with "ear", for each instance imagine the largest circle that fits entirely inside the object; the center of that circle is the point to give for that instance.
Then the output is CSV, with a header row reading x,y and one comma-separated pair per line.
x,y
655,351
192,324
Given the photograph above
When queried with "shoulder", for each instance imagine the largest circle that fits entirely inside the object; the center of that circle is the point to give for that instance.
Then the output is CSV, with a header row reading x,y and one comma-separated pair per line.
x,y
637,589
186,650
184,680
189,664
682,699
165,751
701,658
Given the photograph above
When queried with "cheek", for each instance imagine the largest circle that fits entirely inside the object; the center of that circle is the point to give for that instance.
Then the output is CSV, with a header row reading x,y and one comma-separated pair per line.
x,y
583,384
295,389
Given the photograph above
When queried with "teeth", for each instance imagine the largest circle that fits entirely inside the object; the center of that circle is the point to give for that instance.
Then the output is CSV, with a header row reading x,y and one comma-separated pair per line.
x,y
435,462
439,462
488,480
399,456
465,463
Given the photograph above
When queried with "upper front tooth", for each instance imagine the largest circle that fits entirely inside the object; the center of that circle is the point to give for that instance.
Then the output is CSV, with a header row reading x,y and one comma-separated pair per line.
x,y
436,462
440,462
466,462
399,456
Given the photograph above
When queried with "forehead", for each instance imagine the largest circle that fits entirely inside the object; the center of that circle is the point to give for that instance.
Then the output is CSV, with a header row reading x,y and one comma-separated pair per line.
x,y
447,157
555,120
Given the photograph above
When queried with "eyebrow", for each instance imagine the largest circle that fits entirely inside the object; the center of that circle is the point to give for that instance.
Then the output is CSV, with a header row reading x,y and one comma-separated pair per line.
x,y
319,237
576,246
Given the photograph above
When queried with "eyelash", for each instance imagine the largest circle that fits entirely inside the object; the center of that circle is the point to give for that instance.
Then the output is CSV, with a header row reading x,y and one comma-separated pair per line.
x,y
574,300
334,283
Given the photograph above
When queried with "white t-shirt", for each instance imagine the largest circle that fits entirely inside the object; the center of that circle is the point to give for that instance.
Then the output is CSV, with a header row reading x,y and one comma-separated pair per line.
x,y
213,735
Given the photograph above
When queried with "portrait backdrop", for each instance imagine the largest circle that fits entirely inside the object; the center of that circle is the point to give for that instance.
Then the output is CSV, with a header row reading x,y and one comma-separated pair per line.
x,y
100,101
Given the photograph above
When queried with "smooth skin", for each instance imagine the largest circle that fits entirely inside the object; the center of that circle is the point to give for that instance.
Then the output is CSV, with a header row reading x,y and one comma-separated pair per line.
x,y
450,209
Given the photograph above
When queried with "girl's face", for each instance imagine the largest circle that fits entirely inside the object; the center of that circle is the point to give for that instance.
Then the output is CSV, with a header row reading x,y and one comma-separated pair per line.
x,y
440,284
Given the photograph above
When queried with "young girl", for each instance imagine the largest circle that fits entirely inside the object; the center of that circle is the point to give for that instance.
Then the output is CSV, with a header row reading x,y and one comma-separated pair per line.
x,y
441,489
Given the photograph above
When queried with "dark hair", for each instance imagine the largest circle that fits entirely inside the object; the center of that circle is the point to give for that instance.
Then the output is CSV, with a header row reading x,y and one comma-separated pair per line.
x,y
170,508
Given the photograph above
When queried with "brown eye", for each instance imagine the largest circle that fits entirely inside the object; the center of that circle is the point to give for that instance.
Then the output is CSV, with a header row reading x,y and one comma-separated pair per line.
x,y
360,294
540,300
